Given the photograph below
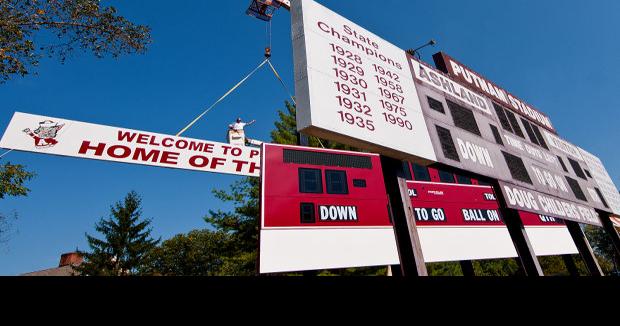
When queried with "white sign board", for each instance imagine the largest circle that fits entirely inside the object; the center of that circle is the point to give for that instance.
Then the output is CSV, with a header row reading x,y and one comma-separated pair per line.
x,y
47,135
608,189
550,241
548,235
354,87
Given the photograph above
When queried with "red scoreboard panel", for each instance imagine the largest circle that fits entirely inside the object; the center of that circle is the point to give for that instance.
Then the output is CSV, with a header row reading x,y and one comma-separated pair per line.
x,y
323,209
548,235
459,222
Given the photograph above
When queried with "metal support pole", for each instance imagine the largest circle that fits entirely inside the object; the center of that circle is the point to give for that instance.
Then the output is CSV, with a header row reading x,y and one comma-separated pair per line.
x,y
569,262
302,140
527,257
407,239
468,268
584,248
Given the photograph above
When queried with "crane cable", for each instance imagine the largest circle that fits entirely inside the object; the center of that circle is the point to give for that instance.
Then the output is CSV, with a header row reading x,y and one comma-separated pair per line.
x,y
275,72
222,98
6,153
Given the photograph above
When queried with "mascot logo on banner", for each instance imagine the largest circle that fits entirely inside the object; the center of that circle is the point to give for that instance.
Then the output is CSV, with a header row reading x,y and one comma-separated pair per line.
x,y
45,135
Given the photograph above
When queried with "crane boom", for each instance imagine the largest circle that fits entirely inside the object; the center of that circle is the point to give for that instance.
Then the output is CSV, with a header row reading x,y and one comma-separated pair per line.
x,y
285,3
264,9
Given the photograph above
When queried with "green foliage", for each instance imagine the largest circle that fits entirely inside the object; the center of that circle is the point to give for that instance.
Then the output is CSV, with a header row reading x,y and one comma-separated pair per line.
x,y
492,267
12,180
198,253
127,241
241,226
12,183
360,271
553,266
444,269
286,132
30,28
496,267
286,128
603,248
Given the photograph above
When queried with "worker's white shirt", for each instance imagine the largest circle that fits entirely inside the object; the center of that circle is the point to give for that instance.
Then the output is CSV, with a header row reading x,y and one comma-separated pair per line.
x,y
239,126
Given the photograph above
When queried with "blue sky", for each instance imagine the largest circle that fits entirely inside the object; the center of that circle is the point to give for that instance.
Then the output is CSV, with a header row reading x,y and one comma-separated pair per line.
x,y
560,56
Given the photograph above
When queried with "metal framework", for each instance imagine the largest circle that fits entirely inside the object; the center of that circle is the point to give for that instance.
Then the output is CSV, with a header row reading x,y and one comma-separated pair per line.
x,y
264,9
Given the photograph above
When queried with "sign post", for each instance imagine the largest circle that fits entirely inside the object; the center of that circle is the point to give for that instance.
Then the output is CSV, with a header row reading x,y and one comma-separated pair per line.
x,y
468,268
569,262
527,257
407,238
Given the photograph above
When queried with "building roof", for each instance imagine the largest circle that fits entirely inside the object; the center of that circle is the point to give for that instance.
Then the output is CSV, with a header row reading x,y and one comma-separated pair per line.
x,y
64,267
58,271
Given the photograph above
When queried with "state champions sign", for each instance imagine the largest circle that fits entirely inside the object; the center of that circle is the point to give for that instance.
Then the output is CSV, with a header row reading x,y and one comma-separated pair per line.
x,y
355,88
48,135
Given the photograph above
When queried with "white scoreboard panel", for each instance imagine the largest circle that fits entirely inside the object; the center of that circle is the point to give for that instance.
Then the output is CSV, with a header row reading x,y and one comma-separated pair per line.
x,y
354,87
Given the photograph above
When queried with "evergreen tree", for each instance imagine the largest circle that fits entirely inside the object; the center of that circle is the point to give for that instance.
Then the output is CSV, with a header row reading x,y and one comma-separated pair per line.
x,y
286,132
241,225
127,240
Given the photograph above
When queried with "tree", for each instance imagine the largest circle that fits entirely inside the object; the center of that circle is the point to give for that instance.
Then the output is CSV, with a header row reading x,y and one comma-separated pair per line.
x,y
12,180
603,248
286,132
198,253
127,241
241,224
30,29
6,226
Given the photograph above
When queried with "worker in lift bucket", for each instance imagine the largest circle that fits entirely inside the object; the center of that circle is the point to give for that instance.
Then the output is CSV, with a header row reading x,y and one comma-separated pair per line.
x,y
239,125
236,132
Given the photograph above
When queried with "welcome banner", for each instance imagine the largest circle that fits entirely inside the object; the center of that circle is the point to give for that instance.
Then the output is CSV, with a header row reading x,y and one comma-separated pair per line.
x,y
48,135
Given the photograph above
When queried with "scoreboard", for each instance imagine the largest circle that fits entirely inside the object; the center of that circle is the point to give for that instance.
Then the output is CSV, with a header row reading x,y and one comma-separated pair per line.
x,y
355,88
471,132
459,222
